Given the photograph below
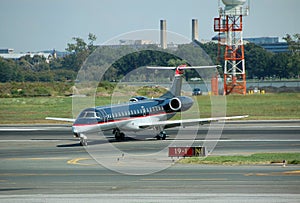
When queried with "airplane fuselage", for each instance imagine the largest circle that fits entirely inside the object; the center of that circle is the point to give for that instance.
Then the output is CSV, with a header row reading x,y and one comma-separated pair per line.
x,y
129,116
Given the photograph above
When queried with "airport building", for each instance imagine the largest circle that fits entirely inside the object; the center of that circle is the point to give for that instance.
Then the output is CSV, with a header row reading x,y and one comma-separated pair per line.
x,y
9,54
271,44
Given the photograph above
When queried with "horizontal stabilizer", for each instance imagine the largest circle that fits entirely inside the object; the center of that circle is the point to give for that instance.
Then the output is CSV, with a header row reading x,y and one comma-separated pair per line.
x,y
61,119
183,67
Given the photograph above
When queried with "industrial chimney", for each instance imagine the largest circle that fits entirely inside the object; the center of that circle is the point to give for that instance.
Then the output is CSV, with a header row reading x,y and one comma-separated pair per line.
x,y
195,34
163,34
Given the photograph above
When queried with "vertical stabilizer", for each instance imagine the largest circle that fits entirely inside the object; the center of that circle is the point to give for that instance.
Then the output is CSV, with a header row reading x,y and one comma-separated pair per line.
x,y
175,89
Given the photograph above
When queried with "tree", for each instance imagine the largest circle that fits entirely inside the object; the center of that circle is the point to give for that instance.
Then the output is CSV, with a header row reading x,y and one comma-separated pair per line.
x,y
279,63
293,43
7,69
257,61
294,60
79,50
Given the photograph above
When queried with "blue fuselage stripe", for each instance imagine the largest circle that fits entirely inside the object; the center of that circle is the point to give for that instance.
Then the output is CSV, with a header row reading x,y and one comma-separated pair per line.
x,y
128,111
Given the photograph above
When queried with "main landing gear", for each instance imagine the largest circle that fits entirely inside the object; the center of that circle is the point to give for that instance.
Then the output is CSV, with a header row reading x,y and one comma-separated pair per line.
x,y
119,136
161,136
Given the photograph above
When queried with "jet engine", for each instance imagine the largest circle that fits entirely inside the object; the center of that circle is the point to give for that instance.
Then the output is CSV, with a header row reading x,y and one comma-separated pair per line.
x,y
178,104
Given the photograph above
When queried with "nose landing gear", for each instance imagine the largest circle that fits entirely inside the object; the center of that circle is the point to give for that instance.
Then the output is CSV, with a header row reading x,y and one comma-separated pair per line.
x,y
82,138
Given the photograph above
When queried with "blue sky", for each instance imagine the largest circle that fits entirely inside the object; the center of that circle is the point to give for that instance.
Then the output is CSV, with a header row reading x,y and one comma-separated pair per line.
x,y
34,25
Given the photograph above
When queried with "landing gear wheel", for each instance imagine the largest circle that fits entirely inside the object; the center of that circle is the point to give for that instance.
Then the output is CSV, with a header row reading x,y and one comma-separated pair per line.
x,y
119,136
82,140
161,136
122,136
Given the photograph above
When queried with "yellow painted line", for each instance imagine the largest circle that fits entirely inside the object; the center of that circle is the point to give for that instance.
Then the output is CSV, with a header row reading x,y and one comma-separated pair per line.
x,y
292,172
37,158
184,179
274,173
50,174
76,161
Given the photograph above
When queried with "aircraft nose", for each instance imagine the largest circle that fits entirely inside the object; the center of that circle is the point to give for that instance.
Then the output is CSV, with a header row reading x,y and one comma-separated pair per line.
x,y
75,131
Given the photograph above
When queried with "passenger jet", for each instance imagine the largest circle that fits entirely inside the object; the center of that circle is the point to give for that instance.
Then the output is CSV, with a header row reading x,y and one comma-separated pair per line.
x,y
140,113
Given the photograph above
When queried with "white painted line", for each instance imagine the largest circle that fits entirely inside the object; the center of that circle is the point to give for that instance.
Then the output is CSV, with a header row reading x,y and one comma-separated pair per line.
x,y
38,140
19,129
211,140
241,140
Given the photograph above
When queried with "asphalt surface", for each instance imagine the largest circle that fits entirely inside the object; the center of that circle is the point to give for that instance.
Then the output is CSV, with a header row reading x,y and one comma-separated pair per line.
x,y
45,163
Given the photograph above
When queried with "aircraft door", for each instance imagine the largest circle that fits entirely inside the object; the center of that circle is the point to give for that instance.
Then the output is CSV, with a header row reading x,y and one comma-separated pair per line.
x,y
143,111
104,115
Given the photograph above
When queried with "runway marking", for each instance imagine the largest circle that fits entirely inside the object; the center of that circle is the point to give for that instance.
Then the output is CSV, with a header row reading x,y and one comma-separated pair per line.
x,y
184,179
20,129
292,172
240,140
268,126
38,158
56,140
297,173
76,162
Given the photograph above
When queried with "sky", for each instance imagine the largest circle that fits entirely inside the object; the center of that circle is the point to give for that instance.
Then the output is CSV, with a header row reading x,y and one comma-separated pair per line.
x,y
37,25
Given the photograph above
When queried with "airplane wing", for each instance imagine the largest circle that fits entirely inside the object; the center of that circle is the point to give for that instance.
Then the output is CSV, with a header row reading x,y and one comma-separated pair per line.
x,y
72,120
187,122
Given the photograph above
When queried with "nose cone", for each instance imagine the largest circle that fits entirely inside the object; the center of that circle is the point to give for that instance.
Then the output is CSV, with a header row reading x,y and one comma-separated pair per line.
x,y
75,131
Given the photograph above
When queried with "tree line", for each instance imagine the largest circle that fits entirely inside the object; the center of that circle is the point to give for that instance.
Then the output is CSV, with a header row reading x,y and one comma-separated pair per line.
x,y
260,64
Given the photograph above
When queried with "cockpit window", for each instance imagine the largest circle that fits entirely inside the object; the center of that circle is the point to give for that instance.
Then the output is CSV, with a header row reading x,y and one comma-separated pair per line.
x,y
88,114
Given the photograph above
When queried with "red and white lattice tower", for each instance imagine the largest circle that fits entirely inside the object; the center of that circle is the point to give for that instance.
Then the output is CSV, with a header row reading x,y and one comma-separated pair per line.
x,y
230,25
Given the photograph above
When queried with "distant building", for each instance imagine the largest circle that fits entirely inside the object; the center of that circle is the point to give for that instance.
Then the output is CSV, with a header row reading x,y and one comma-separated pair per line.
x,y
6,51
139,44
9,54
263,40
271,44
135,42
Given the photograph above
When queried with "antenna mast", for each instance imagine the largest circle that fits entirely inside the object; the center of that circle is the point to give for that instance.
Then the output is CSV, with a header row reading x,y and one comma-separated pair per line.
x,y
229,24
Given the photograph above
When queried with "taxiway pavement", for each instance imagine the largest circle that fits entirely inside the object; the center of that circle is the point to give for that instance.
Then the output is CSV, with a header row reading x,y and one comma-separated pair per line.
x,y
44,163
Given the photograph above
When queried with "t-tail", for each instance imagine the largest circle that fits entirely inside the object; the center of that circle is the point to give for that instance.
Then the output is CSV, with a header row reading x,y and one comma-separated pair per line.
x,y
176,87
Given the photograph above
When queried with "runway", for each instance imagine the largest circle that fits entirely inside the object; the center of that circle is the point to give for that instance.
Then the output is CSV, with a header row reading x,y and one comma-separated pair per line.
x,y
44,163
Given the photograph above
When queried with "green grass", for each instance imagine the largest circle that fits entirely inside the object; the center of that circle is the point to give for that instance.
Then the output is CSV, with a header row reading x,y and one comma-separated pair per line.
x,y
259,158
268,106
258,107
35,109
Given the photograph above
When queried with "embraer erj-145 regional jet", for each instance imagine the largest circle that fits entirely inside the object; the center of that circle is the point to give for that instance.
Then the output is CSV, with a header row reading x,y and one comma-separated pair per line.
x,y
140,113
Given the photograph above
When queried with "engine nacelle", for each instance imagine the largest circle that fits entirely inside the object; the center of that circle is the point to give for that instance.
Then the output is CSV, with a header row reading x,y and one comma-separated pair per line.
x,y
177,104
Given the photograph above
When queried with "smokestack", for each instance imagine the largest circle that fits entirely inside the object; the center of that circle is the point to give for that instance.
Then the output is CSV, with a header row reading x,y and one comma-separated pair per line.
x,y
163,34
195,33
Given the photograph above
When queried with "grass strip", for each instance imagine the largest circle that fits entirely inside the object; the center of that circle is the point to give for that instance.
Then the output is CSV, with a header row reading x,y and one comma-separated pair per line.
x,y
259,107
258,158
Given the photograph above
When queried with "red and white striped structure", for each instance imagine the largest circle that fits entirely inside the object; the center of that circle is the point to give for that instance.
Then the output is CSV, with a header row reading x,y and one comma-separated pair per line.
x,y
230,22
